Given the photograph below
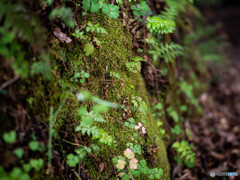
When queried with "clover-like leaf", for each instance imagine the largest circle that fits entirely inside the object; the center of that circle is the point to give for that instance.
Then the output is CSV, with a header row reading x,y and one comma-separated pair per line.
x,y
10,137
72,160
19,152
121,174
110,10
95,8
86,5
133,163
120,164
34,145
88,49
129,153
36,163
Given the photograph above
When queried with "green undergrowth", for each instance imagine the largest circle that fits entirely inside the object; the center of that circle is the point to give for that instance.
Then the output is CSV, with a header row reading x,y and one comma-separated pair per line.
x,y
116,51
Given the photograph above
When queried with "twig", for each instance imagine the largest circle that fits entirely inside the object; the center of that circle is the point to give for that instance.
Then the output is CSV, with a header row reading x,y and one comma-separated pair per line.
x,y
86,65
74,144
4,85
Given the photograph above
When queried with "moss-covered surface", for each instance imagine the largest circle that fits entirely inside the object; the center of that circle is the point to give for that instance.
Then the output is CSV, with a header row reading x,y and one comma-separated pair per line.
x,y
115,52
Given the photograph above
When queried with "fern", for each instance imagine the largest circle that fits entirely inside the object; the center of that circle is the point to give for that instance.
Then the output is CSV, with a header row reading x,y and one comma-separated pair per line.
x,y
168,51
160,26
20,26
135,65
94,131
184,153
65,14
95,28
87,127
173,8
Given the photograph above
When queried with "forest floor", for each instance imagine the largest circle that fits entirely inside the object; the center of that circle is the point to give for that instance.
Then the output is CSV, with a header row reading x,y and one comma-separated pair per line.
x,y
216,134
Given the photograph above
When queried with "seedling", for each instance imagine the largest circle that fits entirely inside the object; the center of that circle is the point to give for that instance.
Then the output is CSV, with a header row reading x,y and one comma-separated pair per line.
x,y
10,137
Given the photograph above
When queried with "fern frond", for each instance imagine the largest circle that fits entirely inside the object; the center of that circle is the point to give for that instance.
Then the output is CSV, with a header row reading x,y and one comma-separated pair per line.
x,y
160,26
167,51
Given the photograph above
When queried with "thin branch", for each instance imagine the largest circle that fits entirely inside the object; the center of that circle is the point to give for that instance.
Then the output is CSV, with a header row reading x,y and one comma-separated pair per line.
x,y
4,85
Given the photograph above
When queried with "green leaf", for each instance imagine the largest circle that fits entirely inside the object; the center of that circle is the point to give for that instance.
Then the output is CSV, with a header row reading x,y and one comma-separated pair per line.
x,y
113,11
151,176
114,160
19,152
126,124
49,2
100,108
34,145
105,9
10,137
135,173
110,10
97,41
132,120
176,130
27,167
86,5
82,111
82,80
87,121
95,7
88,49
72,160
36,163
131,126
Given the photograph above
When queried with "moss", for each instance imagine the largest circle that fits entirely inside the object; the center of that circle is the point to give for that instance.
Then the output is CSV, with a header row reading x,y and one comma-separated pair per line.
x,y
116,51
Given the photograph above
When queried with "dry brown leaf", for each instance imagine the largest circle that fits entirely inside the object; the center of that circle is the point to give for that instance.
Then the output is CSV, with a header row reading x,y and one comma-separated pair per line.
x,y
61,36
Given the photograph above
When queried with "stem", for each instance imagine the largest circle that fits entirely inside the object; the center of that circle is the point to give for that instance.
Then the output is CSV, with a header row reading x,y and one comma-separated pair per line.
x,y
74,144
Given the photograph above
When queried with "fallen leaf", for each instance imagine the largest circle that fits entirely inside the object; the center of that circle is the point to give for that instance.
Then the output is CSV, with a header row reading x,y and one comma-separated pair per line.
x,y
61,36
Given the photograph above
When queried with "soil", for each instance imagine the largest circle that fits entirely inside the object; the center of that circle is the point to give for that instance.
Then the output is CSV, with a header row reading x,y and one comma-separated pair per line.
x,y
216,135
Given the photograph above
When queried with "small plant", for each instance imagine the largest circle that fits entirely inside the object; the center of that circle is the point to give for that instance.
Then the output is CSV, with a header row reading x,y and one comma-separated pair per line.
x,y
79,35
135,65
184,153
158,113
129,166
34,145
36,164
19,153
115,75
167,51
94,6
95,28
110,10
187,89
65,14
140,104
136,148
176,130
130,123
87,127
141,10
82,75
88,49
91,5
16,173
161,128
173,114
10,137
81,153
160,26
72,160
